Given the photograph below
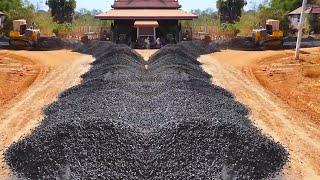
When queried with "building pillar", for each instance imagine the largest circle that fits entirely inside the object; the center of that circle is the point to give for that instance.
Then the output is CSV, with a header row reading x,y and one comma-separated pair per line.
x,y
138,31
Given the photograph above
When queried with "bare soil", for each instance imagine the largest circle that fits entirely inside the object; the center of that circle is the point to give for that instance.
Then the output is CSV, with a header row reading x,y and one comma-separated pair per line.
x,y
278,94
28,82
146,53
16,74
295,82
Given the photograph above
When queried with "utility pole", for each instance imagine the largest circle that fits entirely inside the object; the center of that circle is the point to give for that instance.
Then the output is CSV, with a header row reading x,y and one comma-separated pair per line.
x,y
300,27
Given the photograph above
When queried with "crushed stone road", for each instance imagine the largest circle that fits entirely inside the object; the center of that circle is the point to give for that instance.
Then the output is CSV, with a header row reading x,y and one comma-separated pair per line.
x,y
128,122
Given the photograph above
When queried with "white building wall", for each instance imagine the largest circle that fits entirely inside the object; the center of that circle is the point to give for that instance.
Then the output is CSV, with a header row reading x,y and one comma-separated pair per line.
x,y
294,21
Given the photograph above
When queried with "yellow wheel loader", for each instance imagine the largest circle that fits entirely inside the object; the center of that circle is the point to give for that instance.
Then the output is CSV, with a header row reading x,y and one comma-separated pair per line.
x,y
269,37
23,37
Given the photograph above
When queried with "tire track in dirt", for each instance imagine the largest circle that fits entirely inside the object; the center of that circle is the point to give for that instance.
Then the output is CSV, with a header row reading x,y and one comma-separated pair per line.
x,y
274,117
25,112
17,73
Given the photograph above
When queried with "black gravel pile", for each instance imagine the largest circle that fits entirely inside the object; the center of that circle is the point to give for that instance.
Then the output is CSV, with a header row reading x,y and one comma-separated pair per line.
x,y
289,42
128,122
238,43
83,135
304,39
50,43
55,43
190,49
209,136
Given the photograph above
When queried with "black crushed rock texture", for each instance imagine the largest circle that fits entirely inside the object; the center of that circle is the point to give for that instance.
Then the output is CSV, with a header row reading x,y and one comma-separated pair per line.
x,y
167,121
55,43
239,43
304,39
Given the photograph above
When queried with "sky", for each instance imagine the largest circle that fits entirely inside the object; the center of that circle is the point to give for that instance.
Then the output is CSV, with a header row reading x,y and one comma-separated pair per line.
x,y
186,4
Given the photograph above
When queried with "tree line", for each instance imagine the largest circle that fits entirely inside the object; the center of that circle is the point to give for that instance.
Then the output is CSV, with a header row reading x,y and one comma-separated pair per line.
x,y
230,15
61,17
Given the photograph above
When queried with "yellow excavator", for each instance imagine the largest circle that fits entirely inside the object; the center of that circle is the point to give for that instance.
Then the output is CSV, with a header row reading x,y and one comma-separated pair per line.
x,y
23,37
269,37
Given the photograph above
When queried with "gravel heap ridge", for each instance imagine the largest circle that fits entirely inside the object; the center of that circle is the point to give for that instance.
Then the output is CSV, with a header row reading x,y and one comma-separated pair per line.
x,y
125,121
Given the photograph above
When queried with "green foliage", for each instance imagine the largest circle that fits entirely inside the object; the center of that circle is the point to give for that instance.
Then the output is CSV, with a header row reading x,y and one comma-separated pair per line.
x,y
207,17
248,22
62,10
84,21
277,9
62,30
44,22
307,24
9,5
266,12
314,2
229,27
230,10
19,12
285,5
57,20
86,18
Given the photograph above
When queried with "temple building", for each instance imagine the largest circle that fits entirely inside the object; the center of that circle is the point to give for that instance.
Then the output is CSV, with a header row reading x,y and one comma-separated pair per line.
x,y
135,22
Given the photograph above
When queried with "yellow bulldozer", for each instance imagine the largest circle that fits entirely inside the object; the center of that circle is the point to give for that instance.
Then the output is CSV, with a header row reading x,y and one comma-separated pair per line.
x,y
269,37
23,37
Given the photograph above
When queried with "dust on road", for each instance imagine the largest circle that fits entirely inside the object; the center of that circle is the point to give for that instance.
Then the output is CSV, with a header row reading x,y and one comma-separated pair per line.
x,y
233,71
41,77
146,53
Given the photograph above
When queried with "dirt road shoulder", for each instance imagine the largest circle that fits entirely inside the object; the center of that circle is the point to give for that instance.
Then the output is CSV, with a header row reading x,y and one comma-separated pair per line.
x,y
58,70
231,70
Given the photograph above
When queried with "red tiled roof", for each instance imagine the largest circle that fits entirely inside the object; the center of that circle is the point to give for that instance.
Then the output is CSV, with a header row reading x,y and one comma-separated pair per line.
x,y
146,4
146,14
311,9
146,24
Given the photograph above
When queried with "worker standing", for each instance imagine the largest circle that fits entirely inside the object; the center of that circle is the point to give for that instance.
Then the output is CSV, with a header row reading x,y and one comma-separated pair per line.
x,y
158,43
147,41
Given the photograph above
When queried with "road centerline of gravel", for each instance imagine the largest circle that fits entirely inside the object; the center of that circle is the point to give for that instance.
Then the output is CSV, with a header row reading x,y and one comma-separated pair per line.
x,y
146,54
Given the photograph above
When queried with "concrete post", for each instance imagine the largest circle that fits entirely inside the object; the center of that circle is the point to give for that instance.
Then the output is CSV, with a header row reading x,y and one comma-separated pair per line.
x,y
300,27
154,34
138,33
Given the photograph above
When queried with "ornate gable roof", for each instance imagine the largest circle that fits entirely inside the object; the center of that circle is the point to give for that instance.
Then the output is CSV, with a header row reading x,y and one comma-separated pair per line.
x,y
146,4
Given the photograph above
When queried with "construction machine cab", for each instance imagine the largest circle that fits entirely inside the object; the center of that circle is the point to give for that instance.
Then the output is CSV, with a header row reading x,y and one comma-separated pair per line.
x,y
19,25
21,36
269,29
273,27
270,36
23,28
